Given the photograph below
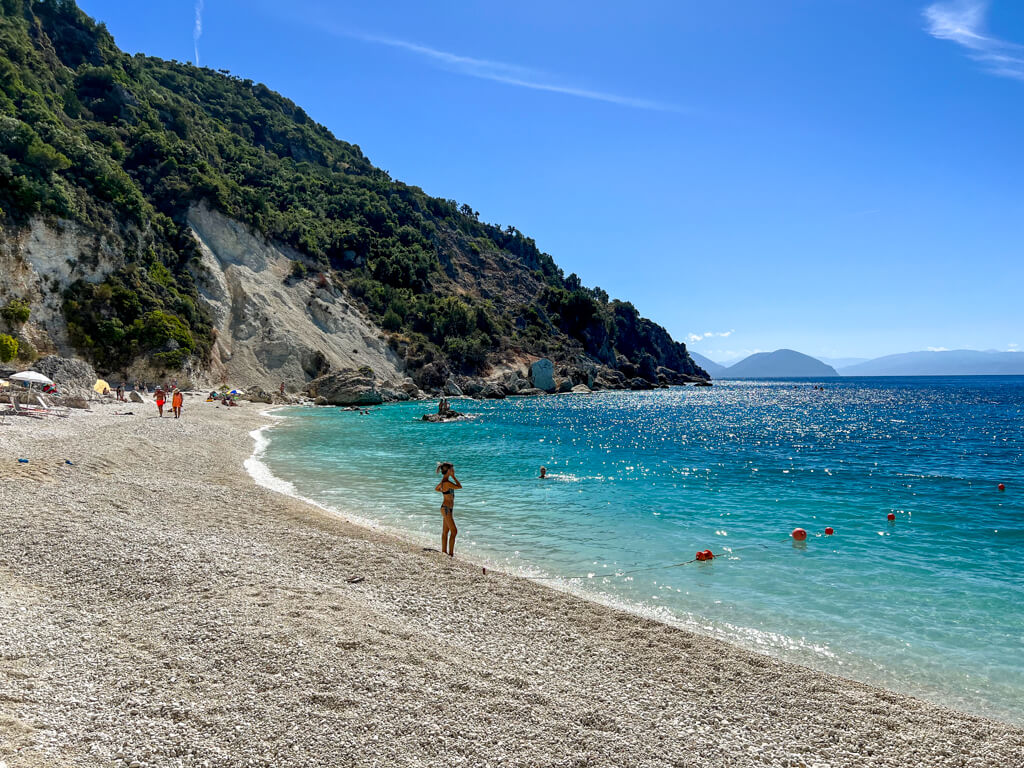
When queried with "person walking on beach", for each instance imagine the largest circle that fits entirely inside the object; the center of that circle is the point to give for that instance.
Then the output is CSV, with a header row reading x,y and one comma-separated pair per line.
x,y
176,402
447,487
161,398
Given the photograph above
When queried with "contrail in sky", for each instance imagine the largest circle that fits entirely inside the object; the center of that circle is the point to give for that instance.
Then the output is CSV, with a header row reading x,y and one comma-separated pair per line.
x,y
197,31
508,74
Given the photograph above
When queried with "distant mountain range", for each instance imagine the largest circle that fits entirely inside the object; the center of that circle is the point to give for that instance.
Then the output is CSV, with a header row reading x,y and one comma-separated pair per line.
x,y
787,364
954,362
715,370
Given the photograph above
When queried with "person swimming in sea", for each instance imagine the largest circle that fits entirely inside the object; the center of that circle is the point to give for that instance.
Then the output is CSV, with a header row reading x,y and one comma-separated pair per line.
x,y
447,487
543,473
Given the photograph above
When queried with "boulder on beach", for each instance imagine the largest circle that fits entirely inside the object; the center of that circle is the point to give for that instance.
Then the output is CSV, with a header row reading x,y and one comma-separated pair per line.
x,y
70,375
345,387
390,395
135,397
582,389
492,392
531,392
451,389
542,375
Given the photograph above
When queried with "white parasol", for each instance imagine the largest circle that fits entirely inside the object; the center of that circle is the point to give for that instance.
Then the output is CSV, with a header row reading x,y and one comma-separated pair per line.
x,y
31,377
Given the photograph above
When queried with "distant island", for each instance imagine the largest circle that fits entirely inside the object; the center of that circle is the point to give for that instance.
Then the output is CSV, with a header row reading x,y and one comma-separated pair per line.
x,y
780,364
786,363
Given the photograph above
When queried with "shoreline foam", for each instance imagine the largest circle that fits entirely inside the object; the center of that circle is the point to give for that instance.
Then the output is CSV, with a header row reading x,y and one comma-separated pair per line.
x,y
171,611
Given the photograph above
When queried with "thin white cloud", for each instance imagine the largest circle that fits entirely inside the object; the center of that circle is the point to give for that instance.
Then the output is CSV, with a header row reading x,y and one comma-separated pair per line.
x,y
937,349
695,337
197,30
508,74
963,22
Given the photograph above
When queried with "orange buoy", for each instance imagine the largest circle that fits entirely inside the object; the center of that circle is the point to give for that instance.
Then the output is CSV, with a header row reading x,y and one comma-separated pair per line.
x,y
799,534
1001,487
708,554
829,531
890,517
700,556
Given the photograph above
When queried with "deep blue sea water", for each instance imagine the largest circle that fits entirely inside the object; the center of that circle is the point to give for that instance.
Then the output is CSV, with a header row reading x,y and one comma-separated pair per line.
x,y
931,604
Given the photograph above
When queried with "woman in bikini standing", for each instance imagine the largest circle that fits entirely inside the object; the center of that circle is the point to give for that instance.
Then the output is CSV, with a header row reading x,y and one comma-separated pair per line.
x,y
447,487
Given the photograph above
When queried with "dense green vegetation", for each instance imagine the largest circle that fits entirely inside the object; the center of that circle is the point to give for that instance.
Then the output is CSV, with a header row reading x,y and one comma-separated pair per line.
x,y
125,145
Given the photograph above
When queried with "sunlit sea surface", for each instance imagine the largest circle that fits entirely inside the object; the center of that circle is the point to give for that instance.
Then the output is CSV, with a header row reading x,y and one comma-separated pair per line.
x,y
931,604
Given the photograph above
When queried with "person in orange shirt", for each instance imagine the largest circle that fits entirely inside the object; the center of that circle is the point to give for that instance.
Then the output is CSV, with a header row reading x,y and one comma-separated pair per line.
x,y
176,400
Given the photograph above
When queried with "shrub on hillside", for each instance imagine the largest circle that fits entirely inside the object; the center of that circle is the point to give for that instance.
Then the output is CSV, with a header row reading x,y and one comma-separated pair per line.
x,y
16,312
8,348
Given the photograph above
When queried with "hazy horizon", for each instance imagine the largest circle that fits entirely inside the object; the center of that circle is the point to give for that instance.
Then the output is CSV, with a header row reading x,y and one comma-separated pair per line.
x,y
836,178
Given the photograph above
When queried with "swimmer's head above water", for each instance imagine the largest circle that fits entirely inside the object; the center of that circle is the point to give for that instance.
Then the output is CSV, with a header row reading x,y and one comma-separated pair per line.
x,y
543,472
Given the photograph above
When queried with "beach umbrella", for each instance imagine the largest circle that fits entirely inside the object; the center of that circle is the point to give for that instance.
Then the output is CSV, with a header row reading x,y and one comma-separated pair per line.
x,y
237,392
100,387
31,377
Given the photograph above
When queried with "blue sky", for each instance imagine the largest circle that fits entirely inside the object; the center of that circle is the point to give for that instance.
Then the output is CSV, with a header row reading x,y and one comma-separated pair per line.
x,y
841,177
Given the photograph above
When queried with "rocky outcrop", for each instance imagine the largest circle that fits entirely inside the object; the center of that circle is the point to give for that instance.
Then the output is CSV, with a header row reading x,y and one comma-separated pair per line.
x,y
542,375
492,392
531,392
70,375
258,395
581,389
347,387
437,418
451,389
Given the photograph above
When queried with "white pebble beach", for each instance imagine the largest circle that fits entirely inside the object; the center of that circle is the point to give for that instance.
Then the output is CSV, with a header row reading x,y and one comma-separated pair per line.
x,y
159,608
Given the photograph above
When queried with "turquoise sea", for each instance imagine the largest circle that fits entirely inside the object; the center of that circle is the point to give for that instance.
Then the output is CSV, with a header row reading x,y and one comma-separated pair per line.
x,y
931,604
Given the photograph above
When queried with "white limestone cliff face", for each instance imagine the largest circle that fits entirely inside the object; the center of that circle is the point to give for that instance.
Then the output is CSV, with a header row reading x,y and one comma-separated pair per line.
x,y
38,263
269,331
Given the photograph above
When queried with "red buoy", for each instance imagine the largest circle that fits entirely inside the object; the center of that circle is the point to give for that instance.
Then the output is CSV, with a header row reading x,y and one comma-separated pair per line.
x,y
1001,487
701,556
799,534
708,555
890,517
829,531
